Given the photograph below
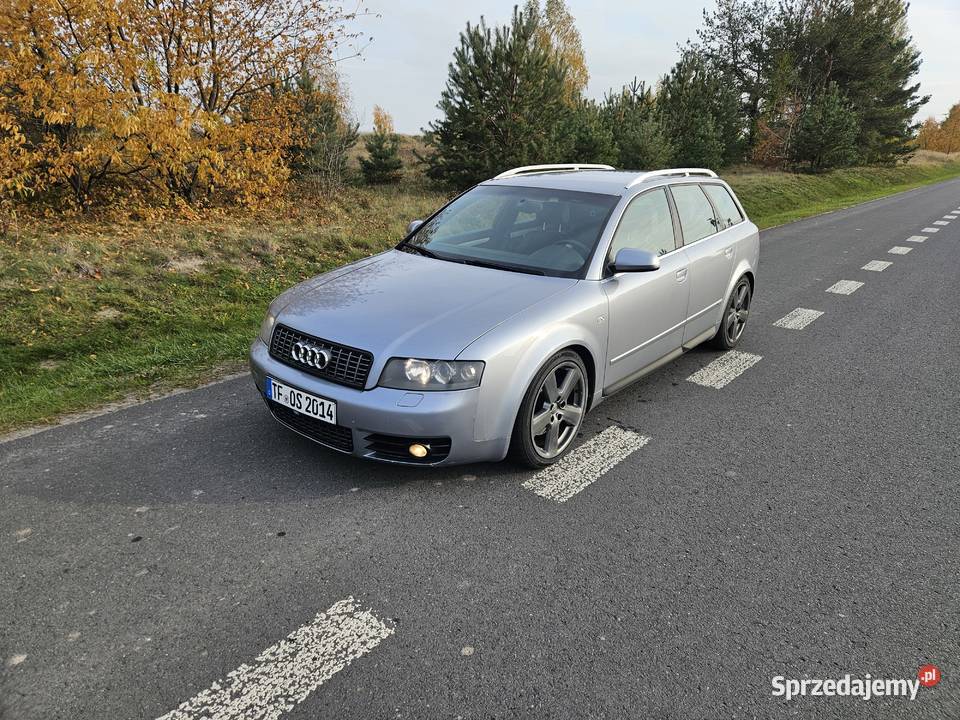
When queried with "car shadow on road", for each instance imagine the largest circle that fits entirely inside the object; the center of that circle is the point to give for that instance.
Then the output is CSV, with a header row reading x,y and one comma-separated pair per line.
x,y
240,456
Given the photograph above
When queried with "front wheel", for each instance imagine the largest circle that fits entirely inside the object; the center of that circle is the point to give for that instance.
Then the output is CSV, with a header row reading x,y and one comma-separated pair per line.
x,y
734,316
552,411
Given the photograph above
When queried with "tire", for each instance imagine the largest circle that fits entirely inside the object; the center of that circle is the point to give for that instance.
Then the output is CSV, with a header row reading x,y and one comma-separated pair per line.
x,y
561,416
735,316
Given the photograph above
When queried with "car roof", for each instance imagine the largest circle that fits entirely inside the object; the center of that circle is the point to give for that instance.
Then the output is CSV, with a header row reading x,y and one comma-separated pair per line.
x,y
608,182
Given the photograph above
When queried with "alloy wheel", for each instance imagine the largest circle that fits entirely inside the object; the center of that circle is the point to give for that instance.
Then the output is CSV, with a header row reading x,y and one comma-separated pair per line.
x,y
558,410
737,312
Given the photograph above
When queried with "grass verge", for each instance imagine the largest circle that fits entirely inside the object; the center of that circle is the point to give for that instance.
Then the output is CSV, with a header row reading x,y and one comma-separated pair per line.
x,y
97,311
773,198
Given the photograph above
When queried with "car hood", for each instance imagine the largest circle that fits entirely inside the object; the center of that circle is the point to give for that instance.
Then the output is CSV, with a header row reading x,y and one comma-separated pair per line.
x,y
398,304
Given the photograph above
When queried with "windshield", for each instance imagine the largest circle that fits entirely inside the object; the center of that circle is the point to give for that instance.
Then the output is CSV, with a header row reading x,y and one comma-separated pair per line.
x,y
540,230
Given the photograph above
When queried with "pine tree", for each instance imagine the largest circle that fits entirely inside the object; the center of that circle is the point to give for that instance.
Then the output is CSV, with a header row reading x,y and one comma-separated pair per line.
x,y
781,57
324,133
591,136
635,123
827,133
736,39
503,105
383,164
699,111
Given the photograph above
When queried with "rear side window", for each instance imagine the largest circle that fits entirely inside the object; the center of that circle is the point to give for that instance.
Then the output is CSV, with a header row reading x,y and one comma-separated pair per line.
x,y
696,213
646,224
726,208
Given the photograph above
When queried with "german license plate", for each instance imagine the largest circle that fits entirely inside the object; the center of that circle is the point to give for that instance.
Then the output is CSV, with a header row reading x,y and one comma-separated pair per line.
x,y
303,402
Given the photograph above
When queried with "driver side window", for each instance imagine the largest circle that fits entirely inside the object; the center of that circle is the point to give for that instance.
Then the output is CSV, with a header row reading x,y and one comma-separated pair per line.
x,y
646,225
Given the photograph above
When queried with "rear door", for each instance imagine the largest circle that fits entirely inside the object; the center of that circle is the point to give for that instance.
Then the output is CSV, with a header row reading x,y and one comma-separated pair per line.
x,y
647,309
711,256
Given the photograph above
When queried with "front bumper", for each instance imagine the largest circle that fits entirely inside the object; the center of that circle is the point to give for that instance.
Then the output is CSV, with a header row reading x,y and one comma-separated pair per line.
x,y
365,416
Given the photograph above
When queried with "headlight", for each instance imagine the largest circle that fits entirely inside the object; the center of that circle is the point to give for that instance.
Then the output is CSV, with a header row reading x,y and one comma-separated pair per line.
x,y
414,374
266,327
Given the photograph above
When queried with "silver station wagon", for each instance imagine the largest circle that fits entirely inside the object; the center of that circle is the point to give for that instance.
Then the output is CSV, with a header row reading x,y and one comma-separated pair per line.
x,y
498,322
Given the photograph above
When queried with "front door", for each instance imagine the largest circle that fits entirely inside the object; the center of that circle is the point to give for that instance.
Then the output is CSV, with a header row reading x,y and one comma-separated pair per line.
x,y
647,309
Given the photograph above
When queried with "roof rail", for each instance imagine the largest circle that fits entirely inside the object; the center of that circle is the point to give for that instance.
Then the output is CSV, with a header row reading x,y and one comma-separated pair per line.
x,y
671,172
551,168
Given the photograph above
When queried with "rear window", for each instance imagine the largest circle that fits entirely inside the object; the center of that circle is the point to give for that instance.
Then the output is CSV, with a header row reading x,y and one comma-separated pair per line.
x,y
726,208
696,213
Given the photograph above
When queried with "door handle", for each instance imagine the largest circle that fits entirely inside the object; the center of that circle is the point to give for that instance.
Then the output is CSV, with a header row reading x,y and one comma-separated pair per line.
x,y
681,275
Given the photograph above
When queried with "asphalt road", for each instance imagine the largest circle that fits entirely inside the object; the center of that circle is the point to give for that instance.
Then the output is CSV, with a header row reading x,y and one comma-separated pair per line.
x,y
803,520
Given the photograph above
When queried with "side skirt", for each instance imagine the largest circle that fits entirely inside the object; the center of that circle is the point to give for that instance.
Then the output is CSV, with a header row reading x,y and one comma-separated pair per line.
x,y
630,379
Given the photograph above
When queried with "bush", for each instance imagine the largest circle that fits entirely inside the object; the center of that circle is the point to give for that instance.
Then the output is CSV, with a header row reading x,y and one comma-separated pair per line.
x,y
91,93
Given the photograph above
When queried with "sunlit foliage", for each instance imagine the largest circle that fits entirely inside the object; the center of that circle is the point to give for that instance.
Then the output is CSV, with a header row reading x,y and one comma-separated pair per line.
x,y
186,97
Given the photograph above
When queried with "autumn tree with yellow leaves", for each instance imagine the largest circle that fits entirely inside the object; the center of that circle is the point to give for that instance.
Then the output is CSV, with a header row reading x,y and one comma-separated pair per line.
x,y
941,136
184,97
557,31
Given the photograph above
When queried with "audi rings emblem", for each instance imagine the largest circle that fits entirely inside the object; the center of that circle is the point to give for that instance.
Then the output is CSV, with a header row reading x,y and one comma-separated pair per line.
x,y
310,355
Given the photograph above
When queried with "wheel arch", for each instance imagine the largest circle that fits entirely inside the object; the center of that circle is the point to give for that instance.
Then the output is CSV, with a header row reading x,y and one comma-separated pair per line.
x,y
590,363
513,372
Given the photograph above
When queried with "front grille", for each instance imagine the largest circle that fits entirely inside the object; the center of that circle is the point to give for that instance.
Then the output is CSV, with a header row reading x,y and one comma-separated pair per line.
x,y
348,366
334,436
392,447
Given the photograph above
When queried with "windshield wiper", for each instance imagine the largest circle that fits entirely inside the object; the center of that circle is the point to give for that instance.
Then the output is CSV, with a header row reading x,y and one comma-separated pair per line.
x,y
498,266
422,250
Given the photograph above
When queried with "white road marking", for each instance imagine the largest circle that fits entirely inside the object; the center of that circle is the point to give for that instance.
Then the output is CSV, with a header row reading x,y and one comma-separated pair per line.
x,y
798,319
725,369
585,465
949,217
845,287
931,230
899,250
916,238
284,675
941,222
877,265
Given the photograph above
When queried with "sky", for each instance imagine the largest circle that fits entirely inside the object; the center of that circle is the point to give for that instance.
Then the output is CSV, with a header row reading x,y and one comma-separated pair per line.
x,y
409,44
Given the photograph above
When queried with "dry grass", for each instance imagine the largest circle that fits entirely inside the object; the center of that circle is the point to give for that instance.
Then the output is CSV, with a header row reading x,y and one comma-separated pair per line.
x,y
933,157
97,309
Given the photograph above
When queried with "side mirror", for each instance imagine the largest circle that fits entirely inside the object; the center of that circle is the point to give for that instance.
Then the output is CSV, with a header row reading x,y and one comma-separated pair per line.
x,y
635,260
414,224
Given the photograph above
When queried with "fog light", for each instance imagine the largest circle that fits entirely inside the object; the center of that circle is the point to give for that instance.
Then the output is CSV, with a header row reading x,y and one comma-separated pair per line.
x,y
418,450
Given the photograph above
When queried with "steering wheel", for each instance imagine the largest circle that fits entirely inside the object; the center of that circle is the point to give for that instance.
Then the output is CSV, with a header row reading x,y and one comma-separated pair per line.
x,y
576,247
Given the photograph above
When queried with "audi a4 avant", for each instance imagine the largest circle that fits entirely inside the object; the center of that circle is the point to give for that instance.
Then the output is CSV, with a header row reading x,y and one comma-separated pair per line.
x,y
498,322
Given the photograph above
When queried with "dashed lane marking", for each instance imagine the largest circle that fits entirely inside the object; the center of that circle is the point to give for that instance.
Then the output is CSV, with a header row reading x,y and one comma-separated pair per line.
x,y
941,222
284,675
845,287
931,230
798,319
916,238
899,250
725,369
949,217
877,265
585,465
